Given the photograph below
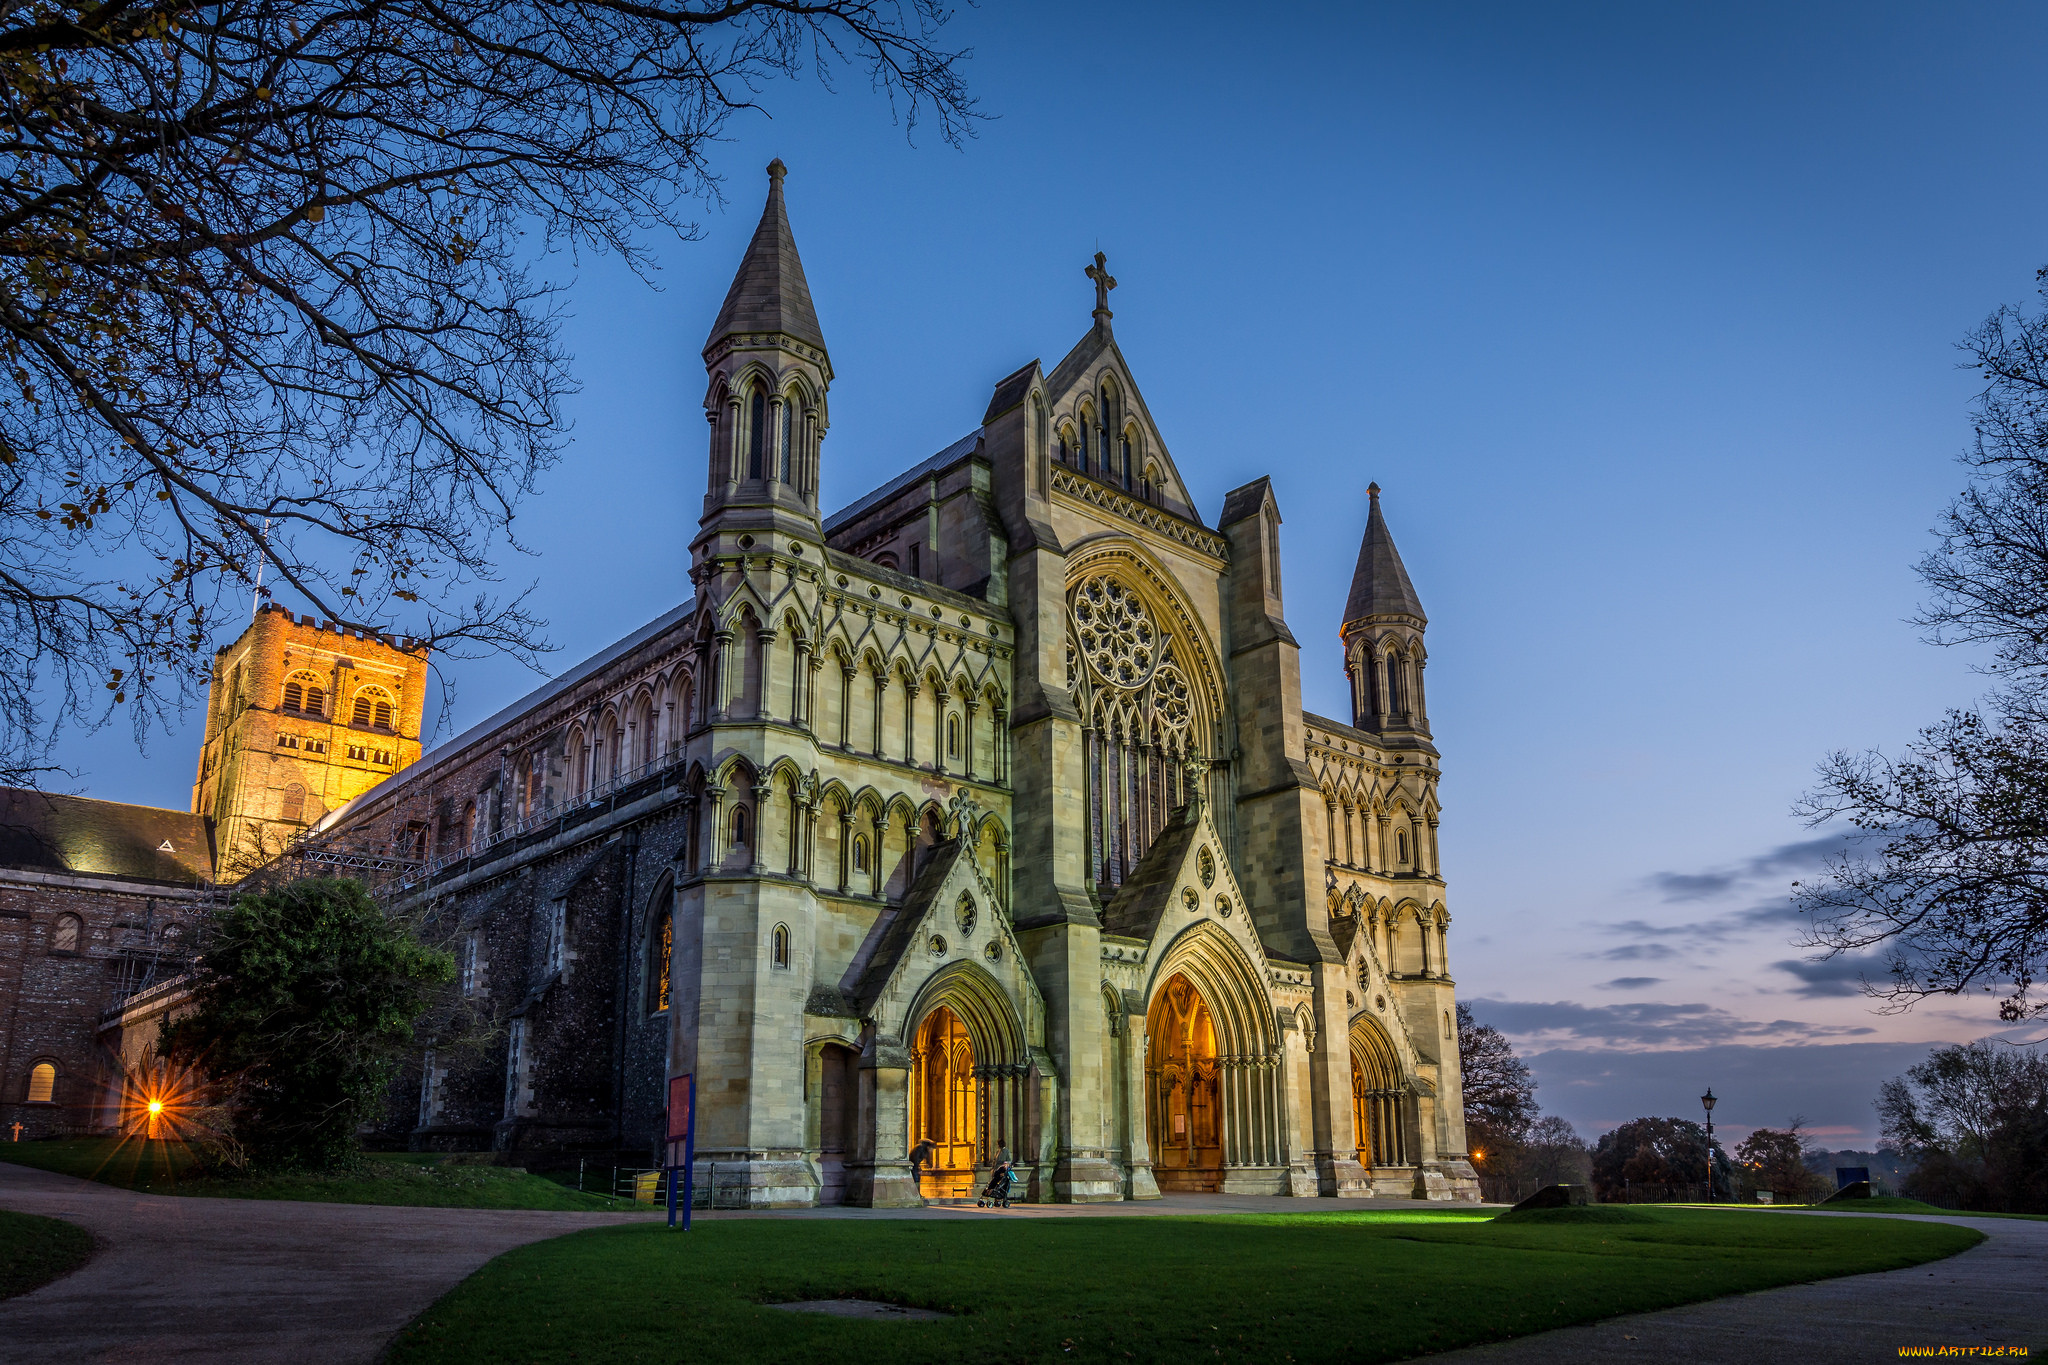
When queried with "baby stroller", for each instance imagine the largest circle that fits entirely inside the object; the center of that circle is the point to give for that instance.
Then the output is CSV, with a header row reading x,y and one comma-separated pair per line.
x,y
996,1194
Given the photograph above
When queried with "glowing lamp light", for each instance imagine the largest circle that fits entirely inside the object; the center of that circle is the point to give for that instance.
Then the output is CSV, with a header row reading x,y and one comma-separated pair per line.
x,y
156,1106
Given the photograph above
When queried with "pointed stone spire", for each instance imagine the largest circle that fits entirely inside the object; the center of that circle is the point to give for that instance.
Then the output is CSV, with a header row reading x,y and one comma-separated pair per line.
x,y
770,294
1379,585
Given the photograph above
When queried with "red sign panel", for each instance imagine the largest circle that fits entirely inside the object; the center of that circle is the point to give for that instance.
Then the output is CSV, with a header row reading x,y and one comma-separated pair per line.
x,y
678,1108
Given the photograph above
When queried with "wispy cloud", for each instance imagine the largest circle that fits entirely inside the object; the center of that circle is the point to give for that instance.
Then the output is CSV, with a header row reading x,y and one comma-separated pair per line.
x,y
1631,983
1781,863
1637,952
1759,881
1835,976
1645,1026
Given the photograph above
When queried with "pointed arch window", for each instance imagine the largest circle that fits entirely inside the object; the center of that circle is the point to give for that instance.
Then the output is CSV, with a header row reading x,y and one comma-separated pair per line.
x,y
778,948
739,826
1124,457
757,431
65,938
293,806
1141,715
860,853
952,736
663,950
42,1083
1081,446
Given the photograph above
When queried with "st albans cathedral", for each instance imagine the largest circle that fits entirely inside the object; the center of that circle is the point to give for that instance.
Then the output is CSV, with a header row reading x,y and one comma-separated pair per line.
x,y
979,816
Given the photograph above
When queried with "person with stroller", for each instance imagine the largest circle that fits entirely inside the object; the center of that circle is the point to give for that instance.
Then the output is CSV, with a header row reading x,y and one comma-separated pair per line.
x,y
996,1194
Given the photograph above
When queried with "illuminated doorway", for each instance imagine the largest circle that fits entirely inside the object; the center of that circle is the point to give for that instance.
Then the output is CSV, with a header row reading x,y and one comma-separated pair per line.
x,y
1183,1109
1376,1100
945,1105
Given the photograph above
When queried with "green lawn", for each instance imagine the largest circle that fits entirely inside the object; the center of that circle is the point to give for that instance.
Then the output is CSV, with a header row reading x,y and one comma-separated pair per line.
x,y
1301,1287
35,1251
428,1181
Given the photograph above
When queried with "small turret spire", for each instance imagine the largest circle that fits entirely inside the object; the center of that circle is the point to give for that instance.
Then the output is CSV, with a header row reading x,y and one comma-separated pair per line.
x,y
770,293
1379,585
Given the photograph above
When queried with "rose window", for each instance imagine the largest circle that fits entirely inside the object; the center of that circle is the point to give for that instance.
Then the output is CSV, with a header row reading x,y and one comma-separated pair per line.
x,y
1115,633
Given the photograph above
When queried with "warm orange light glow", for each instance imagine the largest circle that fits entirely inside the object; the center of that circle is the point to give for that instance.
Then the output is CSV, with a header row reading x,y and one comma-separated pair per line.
x,y
1478,1155
156,1106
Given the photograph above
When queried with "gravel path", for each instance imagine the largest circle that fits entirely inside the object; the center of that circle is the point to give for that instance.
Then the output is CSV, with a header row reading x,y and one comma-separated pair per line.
x,y
1995,1294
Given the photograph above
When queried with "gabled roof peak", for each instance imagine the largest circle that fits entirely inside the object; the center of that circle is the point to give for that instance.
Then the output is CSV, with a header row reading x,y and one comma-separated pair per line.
x,y
769,293
1379,585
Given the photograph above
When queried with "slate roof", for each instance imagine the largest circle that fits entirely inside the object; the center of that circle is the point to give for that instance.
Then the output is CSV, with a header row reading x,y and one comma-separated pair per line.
x,y
770,293
951,455
561,682
901,934
1142,901
1379,585
49,832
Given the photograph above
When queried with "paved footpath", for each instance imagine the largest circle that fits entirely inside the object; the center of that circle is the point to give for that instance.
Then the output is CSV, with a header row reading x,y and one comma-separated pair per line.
x,y
250,1281
1994,1294
246,1281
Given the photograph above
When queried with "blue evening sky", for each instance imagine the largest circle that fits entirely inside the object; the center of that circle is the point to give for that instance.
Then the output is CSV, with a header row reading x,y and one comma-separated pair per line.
x,y
1643,317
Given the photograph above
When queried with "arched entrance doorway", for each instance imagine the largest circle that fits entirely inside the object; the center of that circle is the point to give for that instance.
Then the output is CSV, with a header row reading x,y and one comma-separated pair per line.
x,y
945,1104
1183,1110
1376,1099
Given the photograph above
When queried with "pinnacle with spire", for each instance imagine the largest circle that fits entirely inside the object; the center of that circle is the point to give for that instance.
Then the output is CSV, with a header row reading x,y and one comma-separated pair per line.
x,y
770,294
1379,585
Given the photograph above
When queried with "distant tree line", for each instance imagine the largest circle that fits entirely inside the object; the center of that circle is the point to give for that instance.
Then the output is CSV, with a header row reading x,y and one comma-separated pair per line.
x,y
1513,1145
1974,1120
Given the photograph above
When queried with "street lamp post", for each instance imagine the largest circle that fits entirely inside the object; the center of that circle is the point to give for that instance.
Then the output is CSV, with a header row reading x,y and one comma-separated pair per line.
x,y
1707,1102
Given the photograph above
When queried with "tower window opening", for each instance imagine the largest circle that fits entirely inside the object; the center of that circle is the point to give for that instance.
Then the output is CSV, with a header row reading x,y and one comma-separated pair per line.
x,y
952,737
42,1083
860,853
788,432
293,806
739,826
1124,457
294,695
916,562
757,432
778,948
1401,846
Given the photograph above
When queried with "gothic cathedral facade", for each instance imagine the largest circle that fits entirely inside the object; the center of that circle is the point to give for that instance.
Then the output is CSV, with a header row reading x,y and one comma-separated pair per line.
x,y
980,816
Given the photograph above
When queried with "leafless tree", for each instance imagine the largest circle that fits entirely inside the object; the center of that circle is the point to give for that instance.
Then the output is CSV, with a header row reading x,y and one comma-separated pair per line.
x,y
1947,889
269,299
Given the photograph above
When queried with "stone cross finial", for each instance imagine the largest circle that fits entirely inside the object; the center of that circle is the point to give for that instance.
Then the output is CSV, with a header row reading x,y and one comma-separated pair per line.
x,y
1104,282
965,811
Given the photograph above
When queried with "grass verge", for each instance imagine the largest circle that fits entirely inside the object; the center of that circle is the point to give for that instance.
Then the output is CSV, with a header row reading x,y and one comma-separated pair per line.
x,y
1348,1287
422,1180
35,1251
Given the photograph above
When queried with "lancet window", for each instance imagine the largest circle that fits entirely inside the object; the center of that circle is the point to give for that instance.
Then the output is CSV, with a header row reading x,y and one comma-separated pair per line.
x,y
1132,680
